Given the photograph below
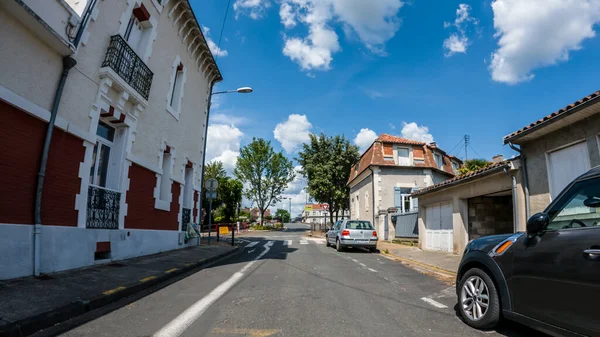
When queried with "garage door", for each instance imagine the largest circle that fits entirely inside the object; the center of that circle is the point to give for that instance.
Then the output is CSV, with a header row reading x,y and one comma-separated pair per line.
x,y
567,164
438,227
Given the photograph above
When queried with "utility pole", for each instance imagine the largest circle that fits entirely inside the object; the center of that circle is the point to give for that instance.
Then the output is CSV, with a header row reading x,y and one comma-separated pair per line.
x,y
467,139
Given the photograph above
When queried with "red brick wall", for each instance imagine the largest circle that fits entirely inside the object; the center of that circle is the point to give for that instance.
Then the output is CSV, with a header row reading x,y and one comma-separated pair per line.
x,y
195,211
141,213
388,149
21,139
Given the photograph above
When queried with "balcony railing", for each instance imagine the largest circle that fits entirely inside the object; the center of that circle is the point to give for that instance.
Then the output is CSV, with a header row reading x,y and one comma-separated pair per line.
x,y
186,218
125,62
103,208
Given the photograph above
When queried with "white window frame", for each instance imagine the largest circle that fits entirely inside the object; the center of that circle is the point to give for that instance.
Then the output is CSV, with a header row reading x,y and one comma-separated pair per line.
x,y
410,155
99,142
176,111
549,166
441,164
162,198
455,166
149,33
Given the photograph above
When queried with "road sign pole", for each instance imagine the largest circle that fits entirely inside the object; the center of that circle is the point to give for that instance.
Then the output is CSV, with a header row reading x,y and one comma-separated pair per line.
x,y
218,230
209,218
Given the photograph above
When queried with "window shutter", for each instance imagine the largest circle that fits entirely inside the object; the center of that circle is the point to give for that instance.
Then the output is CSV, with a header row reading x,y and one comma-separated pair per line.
x,y
397,197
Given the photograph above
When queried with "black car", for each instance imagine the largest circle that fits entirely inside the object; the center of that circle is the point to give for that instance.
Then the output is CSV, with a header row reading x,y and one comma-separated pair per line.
x,y
547,278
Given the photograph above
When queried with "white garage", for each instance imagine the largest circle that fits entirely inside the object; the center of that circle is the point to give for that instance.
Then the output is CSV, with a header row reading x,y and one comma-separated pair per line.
x,y
439,233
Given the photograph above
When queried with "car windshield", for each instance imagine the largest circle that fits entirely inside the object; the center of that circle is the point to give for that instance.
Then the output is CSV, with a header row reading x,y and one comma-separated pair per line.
x,y
358,225
578,207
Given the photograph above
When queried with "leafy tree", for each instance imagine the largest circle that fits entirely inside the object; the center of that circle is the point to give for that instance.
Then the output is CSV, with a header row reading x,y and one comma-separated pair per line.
x,y
266,173
472,165
283,215
268,217
326,163
215,170
230,194
245,214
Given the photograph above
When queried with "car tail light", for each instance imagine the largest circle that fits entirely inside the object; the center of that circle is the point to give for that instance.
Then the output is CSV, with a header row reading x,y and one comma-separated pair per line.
x,y
345,232
375,233
503,247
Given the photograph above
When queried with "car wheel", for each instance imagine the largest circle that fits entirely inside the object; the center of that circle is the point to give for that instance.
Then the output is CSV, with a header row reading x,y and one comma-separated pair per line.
x,y
327,241
478,300
338,245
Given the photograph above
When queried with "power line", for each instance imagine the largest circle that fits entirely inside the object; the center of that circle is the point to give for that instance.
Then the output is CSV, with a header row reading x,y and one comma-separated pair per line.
x,y
478,155
455,146
223,26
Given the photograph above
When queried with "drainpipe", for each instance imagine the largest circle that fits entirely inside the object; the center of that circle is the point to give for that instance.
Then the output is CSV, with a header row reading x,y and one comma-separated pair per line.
x,y
372,193
514,199
84,21
68,63
200,198
525,178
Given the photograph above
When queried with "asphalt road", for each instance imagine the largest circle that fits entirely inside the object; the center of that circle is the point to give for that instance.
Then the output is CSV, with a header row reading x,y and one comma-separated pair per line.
x,y
285,284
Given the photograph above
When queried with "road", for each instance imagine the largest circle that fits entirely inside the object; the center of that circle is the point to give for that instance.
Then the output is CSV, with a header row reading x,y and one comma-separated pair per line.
x,y
285,284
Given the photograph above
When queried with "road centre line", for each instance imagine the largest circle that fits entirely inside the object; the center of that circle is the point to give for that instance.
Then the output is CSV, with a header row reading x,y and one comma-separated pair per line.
x,y
434,303
362,265
371,269
184,320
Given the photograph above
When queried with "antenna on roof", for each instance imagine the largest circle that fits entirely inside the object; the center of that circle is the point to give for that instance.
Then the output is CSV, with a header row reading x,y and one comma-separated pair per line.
x,y
467,139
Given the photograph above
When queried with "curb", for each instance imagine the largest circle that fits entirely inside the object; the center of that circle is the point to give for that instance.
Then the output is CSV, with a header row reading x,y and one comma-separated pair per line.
x,y
33,324
420,264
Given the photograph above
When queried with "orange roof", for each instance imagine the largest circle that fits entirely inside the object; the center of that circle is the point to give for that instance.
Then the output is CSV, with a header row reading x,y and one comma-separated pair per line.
x,y
551,116
385,138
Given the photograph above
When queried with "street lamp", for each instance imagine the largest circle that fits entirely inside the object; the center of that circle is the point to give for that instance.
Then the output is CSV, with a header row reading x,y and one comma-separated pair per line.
x,y
290,199
242,90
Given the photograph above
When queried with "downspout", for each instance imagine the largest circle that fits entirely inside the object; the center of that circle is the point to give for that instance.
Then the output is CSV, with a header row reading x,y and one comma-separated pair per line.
x,y
201,197
68,63
84,20
514,200
525,178
372,193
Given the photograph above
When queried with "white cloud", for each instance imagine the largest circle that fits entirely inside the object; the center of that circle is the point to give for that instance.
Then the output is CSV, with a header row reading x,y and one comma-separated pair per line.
x,y
293,132
373,22
373,94
365,138
223,144
459,42
214,49
222,118
537,33
254,8
414,132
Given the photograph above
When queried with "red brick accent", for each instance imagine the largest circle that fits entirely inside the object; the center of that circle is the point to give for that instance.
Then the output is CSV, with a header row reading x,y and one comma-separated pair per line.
x,y
418,152
388,150
195,211
103,247
141,13
141,213
21,140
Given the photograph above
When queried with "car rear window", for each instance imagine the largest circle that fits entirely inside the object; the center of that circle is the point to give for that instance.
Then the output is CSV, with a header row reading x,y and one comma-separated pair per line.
x,y
358,225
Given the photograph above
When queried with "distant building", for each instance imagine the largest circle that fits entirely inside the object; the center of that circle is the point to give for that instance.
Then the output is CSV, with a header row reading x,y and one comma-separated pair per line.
x,y
319,214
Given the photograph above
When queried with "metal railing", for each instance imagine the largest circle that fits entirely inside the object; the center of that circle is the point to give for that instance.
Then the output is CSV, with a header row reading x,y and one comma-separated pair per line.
x,y
102,208
186,218
127,64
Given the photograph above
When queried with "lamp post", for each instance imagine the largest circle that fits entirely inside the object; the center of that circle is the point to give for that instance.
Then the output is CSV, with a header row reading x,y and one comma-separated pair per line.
x,y
242,90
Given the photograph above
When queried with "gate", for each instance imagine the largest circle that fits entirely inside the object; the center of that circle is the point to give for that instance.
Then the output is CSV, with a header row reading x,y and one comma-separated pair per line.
x,y
406,224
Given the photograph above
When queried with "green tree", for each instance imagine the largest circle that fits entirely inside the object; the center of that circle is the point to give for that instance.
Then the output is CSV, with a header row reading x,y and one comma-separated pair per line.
x,y
266,173
230,194
326,163
283,215
472,165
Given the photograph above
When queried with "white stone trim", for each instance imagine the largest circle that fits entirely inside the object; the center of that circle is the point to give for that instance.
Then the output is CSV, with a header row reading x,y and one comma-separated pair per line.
x,y
191,44
377,189
107,72
180,211
86,33
125,16
84,175
183,27
151,39
164,204
158,6
176,112
174,8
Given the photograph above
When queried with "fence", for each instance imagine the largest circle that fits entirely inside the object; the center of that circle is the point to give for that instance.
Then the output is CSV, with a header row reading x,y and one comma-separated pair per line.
x,y
406,224
318,228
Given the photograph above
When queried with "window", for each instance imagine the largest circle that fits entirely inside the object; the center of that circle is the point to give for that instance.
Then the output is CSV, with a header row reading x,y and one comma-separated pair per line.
x,y
359,225
101,155
579,207
565,165
438,160
455,166
402,199
403,156
176,90
133,34
165,182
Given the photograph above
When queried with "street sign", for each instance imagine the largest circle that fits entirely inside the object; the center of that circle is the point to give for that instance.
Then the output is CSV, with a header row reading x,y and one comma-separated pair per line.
x,y
211,184
223,230
308,208
325,207
211,194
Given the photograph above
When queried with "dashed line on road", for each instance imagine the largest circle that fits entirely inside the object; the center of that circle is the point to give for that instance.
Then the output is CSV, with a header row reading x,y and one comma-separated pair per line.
x,y
112,291
371,269
171,270
303,242
363,265
146,279
434,303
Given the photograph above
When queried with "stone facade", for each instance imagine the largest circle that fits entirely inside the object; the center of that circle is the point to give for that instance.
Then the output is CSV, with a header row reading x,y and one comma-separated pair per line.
x,y
490,215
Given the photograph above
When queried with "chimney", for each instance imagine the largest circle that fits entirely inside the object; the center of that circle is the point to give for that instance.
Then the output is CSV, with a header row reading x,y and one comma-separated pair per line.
x,y
433,144
497,158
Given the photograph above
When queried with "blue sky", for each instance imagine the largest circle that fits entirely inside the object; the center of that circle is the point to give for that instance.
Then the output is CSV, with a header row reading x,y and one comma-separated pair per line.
x,y
482,68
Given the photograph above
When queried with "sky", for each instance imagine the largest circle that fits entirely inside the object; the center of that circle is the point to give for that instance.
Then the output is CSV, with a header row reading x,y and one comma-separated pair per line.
x,y
422,69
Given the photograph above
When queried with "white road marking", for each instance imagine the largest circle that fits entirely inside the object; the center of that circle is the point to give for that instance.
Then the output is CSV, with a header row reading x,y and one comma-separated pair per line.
x,y
252,244
362,264
371,269
355,260
434,303
303,242
180,323
251,251
287,243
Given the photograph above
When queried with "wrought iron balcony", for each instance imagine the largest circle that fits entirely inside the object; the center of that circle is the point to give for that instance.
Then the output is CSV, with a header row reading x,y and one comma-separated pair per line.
x,y
125,62
102,208
186,218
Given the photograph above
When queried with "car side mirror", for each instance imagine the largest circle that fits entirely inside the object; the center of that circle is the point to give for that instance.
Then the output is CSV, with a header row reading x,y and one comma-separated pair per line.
x,y
537,223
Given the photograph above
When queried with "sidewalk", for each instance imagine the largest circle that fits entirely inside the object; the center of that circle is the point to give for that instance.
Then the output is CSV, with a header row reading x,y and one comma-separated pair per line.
x,y
444,262
31,304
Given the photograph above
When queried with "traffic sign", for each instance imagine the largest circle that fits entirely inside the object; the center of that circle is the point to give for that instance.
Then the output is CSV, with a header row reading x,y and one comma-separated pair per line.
x,y
325,207
211,194
211,184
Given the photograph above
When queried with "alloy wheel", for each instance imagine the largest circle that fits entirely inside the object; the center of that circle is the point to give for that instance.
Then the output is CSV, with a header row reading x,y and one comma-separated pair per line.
x,y
475,298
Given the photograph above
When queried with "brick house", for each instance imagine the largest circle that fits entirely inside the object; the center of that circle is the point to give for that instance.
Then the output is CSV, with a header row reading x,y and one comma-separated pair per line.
x,y
388,172
122,180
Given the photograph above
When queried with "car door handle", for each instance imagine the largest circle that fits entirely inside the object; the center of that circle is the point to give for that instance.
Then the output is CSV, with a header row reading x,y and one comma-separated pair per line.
x,y
592,252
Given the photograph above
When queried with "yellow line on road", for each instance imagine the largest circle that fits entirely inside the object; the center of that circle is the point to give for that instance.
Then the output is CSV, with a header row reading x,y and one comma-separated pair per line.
x,y
171,270
188,264
112,291
146,279
248,332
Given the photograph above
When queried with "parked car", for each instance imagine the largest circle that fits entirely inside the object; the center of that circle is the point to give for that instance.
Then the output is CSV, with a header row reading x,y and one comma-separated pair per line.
x,y
352,233
547,278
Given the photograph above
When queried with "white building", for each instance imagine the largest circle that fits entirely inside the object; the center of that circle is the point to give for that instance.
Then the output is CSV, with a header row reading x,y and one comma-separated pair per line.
x,y
126,154
319,214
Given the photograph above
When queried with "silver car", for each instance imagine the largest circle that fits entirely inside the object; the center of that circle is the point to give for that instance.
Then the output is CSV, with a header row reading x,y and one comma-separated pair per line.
x,y
352,233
